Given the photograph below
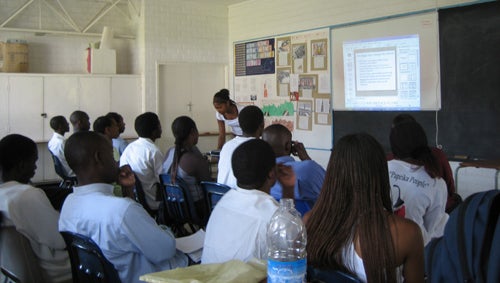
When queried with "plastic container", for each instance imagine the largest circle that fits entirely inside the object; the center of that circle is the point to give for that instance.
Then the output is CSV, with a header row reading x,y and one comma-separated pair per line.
x,y
286,244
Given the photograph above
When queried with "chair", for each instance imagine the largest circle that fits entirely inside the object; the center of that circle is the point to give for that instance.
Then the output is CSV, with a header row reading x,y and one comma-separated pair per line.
x,y
315,275
88,264
213,192
140,197
9,277
67,181
179,207
18,262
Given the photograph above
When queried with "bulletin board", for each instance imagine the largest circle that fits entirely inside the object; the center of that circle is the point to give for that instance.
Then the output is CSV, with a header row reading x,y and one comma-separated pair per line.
x,y
297,92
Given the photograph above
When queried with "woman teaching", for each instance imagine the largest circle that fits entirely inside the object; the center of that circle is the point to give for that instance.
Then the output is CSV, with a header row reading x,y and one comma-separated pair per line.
x,y
227,114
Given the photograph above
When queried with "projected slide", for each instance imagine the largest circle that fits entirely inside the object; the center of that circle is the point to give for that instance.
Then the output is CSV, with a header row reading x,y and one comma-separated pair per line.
x,y
382,72
387,65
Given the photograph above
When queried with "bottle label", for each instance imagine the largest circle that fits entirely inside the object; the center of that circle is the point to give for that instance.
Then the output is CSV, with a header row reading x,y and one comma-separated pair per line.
x,y
286,271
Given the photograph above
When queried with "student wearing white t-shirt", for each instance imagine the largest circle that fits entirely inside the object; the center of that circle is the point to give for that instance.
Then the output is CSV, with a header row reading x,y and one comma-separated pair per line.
x,y
414,176
227,115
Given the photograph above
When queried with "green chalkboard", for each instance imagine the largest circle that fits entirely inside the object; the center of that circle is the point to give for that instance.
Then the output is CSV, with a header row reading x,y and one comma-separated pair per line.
x,y
469,120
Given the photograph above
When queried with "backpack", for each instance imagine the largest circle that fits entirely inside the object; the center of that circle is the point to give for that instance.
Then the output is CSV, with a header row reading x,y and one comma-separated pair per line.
x,y
469,250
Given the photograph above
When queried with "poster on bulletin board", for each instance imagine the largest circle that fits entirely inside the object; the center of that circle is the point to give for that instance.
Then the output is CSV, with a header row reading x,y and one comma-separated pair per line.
x,y
295,91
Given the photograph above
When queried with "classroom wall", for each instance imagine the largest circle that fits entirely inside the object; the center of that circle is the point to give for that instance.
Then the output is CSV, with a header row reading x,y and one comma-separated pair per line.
x,y
181,31
262,18
60,53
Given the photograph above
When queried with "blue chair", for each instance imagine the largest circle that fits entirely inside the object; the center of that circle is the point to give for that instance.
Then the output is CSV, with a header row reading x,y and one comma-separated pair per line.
x,y
88,264
213,192
179,207
9,277
67,181
315,275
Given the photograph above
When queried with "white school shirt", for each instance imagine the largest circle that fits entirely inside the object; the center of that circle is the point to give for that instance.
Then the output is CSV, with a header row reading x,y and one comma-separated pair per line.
x,y
29,210
128,237
225,169
56,146
234,124
146,160
238,225
424,197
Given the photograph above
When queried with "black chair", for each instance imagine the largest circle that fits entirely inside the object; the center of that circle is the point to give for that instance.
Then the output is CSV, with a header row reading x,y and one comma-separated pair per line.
x,y
315,275
180,212
9,277
18,262
88,264
213,192
140,197
67,181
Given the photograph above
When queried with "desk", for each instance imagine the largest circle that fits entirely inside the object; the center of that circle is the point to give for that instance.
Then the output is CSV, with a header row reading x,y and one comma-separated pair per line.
x,y
487,164
230,271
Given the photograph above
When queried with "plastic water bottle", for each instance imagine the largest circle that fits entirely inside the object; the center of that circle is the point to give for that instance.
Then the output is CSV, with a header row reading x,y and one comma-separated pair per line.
x,y
286,245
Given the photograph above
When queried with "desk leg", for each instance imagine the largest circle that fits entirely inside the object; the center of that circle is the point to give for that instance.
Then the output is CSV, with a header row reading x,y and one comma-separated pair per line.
x,y
456,178
496,179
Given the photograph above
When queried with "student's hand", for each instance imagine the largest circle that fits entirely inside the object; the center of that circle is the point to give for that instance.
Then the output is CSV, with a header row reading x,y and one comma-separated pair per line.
x,y
286,177
126,177
299,150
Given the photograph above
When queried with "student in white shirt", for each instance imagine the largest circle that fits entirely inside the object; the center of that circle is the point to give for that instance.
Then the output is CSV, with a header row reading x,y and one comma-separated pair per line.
x,y
119,143
144,157
128,237
251,120
415,174
29,210
56,144
238,224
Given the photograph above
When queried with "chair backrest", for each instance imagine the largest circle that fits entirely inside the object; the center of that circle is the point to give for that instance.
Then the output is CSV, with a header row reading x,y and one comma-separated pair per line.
x,y
88,264
140,197
67,181
213,192
315,275
179,206
17,259
9,277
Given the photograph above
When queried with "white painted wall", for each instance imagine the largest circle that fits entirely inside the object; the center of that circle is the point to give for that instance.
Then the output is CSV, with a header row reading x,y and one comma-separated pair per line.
x,y
263,18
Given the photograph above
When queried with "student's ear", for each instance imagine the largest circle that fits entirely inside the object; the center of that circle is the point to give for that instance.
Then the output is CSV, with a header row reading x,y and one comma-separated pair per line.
x,y
97,156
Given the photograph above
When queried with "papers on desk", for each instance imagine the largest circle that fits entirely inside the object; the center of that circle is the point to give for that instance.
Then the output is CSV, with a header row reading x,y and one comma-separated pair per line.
x,y
192,245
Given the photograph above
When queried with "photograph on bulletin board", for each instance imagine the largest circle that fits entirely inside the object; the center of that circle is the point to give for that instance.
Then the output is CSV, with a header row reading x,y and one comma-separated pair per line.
x,y
254,58
319,53
299,55
308,86
286,121
322,111
304,115
283,46
283,81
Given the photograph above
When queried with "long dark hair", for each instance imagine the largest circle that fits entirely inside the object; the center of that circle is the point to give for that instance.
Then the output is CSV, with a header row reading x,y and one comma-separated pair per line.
x,y
222,96
409,143
354,203
181,128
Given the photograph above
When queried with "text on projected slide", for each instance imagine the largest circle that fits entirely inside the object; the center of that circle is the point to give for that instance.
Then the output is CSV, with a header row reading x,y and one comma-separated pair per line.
x,y
382,73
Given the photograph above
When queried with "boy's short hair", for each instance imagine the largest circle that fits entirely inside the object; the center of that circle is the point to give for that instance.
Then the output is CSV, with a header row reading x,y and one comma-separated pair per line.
x,y
252,161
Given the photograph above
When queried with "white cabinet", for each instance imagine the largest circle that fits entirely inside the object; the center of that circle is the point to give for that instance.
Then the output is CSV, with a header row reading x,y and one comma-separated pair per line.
x,y
61,97
124,100
29,101
22,100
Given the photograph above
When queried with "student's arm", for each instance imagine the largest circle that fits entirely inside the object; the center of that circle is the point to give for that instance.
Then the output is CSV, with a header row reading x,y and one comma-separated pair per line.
x,y
286,177
300,151
154,243
222,134
411,244
126,180
35,217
